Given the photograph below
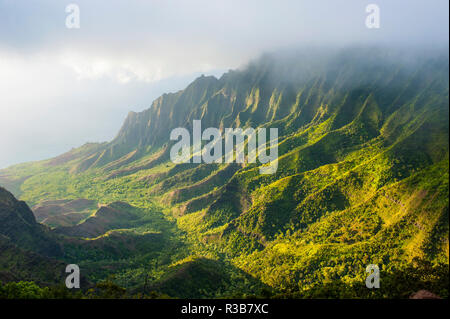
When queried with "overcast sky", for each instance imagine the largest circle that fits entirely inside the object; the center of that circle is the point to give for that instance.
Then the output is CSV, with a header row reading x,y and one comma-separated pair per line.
x,y
60,87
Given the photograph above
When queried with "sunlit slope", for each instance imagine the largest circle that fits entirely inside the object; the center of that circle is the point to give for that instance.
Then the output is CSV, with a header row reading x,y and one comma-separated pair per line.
x,y
362,175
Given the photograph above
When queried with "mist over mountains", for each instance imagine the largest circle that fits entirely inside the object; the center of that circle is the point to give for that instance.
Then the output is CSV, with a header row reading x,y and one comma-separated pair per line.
x,y
362,179
125,55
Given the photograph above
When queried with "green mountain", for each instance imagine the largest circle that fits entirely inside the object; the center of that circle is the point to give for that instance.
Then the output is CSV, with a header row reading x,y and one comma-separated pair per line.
x,y
26,247
362,179
18,224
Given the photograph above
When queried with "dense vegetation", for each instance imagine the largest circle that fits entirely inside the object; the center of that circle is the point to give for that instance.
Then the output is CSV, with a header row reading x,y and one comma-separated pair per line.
x,y
362,179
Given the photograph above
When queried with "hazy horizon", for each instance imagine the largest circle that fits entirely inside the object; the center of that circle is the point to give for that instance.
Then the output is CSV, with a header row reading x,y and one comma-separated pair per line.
x,y
61,88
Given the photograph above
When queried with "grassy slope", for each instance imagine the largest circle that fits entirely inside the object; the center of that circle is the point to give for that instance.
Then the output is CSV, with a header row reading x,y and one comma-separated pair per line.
x,y
362,178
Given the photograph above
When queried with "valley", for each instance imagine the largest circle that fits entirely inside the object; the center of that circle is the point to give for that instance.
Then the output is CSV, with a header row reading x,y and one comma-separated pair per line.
x,y
362,178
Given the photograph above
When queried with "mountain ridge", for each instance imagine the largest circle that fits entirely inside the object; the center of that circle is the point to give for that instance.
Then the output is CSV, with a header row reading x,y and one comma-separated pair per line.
x,y
362,133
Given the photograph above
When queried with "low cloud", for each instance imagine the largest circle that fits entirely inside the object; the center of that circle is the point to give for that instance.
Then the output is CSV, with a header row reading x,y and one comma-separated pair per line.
x,y
62,87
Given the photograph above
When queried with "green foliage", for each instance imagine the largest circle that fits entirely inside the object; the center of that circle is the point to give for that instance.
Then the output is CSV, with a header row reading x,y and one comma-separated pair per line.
x,y
362,178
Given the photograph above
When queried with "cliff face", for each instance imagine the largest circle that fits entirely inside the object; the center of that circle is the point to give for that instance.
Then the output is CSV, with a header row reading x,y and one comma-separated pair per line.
x,y
289,92
362,171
